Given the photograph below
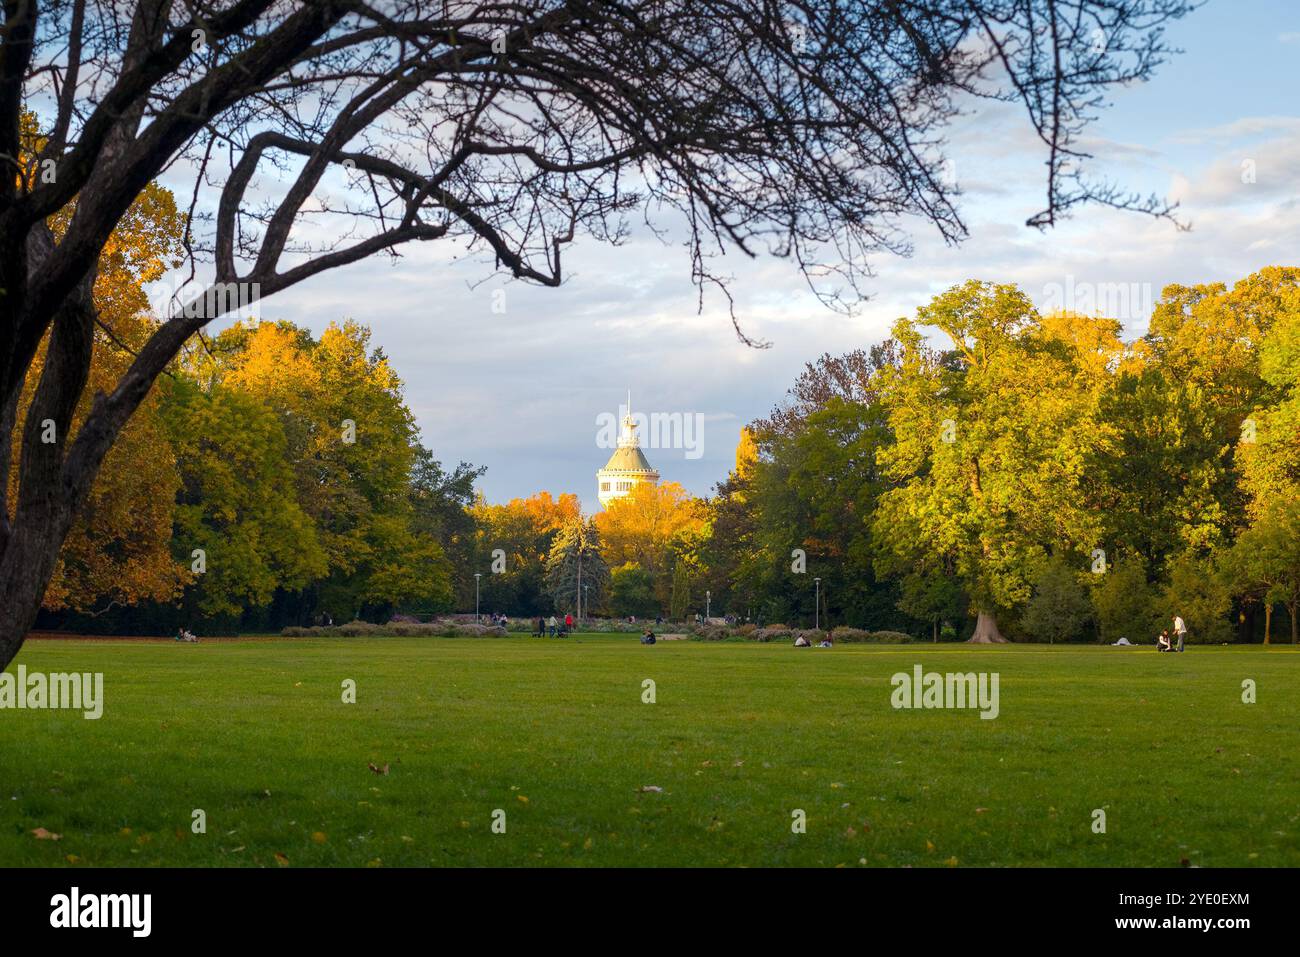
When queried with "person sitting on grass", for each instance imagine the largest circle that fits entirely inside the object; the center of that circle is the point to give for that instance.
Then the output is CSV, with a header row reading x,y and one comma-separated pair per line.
x,y
802,642
648,638
1162,641
826,643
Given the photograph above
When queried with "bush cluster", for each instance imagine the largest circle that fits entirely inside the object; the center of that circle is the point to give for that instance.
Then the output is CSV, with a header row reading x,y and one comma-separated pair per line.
x,y
398,629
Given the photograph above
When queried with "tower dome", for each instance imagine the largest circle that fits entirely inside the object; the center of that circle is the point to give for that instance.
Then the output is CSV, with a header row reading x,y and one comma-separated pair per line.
x,y
627,467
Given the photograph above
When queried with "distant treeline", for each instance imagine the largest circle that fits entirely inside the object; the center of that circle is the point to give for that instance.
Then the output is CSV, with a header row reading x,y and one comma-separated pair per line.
x,y
986,468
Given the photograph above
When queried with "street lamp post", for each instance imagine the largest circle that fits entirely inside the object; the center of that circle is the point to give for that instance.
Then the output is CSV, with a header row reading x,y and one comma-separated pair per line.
x,y
477,576
817,611
586,598
708,598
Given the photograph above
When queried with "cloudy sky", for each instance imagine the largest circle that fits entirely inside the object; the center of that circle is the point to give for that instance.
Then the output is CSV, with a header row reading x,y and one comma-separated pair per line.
x,y
521,391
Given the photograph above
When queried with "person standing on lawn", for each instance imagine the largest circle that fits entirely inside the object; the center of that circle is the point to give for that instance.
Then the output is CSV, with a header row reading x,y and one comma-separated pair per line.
x,y
1180,630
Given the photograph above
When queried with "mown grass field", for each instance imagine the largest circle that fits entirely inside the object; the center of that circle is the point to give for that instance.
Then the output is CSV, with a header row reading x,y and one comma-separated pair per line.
x,y
555,734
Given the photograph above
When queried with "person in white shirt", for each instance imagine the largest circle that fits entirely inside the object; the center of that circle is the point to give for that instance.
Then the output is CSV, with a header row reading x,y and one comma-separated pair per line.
x,y
1180,630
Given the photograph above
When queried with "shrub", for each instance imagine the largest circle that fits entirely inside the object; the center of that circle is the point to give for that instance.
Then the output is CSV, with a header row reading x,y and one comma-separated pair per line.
x,y
711,632
1125,605
1059,609
890,637
773,633
477,631
845,633
1198,592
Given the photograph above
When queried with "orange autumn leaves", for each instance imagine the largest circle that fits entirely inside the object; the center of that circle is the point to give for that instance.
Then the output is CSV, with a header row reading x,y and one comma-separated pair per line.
x,y
119,547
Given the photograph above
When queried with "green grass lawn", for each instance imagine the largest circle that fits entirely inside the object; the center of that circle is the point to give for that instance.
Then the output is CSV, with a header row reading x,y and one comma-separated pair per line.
x,y
555,733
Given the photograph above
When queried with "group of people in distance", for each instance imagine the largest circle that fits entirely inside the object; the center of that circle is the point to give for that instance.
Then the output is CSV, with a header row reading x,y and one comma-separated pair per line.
x,y
802,642
551,627
1165,641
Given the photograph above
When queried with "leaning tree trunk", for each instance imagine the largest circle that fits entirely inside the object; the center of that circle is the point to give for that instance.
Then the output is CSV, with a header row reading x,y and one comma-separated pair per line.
x,y
986,631
49,493
25,571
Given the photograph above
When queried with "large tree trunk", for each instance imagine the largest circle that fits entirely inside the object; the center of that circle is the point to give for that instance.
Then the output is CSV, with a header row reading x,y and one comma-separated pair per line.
x,y
986,631
1268,621
25,571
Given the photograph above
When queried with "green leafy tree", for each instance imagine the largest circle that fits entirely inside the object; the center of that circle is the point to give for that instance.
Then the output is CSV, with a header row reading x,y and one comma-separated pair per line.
x,y
816,489
1264,562
1269,440
930,594
237,502
1201,595
575,570
632,592
990,438
681,597
1125,604
1059,609
352,444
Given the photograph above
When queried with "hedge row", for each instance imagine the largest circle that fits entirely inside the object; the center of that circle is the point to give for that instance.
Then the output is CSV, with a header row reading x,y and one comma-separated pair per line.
x,y
396,629
781,632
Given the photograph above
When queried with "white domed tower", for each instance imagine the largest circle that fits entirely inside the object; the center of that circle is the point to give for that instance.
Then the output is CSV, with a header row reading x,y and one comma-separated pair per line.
x,y
627,467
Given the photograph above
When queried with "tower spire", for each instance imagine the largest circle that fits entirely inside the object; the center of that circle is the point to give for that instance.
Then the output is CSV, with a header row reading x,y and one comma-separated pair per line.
x,y
627,467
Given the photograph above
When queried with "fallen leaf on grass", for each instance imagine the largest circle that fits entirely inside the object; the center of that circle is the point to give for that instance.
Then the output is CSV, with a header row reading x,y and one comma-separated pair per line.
x,y
383,770
651,789
281,859
44,835
319,837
